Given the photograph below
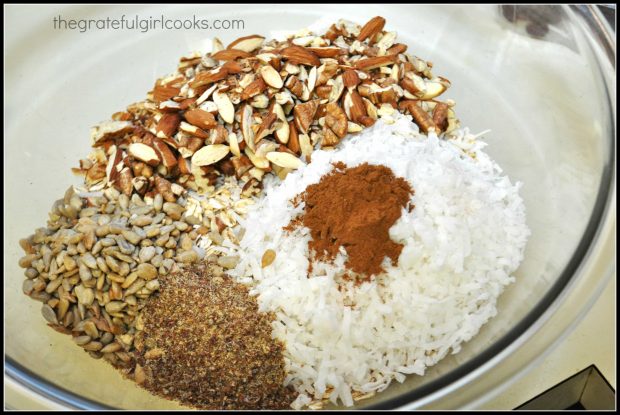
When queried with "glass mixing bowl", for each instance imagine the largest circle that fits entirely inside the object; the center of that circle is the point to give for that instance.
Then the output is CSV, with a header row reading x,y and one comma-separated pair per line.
x,y
541,79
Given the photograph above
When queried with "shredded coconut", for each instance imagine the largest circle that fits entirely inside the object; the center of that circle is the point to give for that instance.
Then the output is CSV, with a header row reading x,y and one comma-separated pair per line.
x,y
462,241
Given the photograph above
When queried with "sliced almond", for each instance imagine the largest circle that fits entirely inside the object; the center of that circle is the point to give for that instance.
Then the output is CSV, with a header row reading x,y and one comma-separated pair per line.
x,y
200,118
414,84
168,124
293,140
145,153
312,76
350,78
163,93
192,130
234,144
205,95
371,28
284,159
115,159
375,62
165,153
247,43
300,55
208,77
328,52
354,106
282,130
110,130
224,106
217,45
230,55
210,154
257,160
246,126
337,85
434,88
305,146
271,77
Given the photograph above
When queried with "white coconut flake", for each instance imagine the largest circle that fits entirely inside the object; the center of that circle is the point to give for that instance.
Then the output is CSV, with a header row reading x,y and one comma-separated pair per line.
x,y
461,243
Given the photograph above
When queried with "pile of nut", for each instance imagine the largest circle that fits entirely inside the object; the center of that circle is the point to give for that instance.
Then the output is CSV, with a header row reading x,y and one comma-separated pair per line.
x,y
99,260
259,107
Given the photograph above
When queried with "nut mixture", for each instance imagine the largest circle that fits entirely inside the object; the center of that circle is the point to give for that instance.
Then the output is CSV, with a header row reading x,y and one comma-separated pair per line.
x,y
258,106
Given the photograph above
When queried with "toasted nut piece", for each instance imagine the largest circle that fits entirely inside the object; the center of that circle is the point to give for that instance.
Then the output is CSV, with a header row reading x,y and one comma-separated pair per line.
x,y
233,143
144,152
350,78
271,77
163,93
253,89
183,166
435,87
114,162
284,159
282,129
218,135
168,124
396,49
224,106
208,77
336,119
164,188
354,106
421,117
200,118
257,159
246,125
375,62
230,55
371,28
304,115
210,154
328,52
241,165
329,138
414,84
300,55
265,127
247,43
125,178
440,116
295,86
293,138
164,152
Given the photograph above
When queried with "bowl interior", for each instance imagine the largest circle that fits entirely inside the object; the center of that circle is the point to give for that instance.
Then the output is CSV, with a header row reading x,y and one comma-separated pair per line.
x,y
542,99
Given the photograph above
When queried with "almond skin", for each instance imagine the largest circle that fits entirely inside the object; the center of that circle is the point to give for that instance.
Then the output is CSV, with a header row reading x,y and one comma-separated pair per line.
x,y
371,28
200,118
300,55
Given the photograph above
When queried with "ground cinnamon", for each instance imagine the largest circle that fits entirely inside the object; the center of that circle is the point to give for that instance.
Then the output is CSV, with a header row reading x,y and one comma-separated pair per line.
x,y
355,208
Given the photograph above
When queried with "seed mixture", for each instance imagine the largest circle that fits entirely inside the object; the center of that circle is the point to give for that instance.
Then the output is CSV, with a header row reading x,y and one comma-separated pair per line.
x,y
205,344
278,224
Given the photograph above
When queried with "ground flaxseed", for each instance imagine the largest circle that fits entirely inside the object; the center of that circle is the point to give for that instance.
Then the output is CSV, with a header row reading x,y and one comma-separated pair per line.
x,y
205,344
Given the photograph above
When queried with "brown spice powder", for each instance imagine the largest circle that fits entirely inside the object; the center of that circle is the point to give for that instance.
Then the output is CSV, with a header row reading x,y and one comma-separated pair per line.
x,y
355,208
205,345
